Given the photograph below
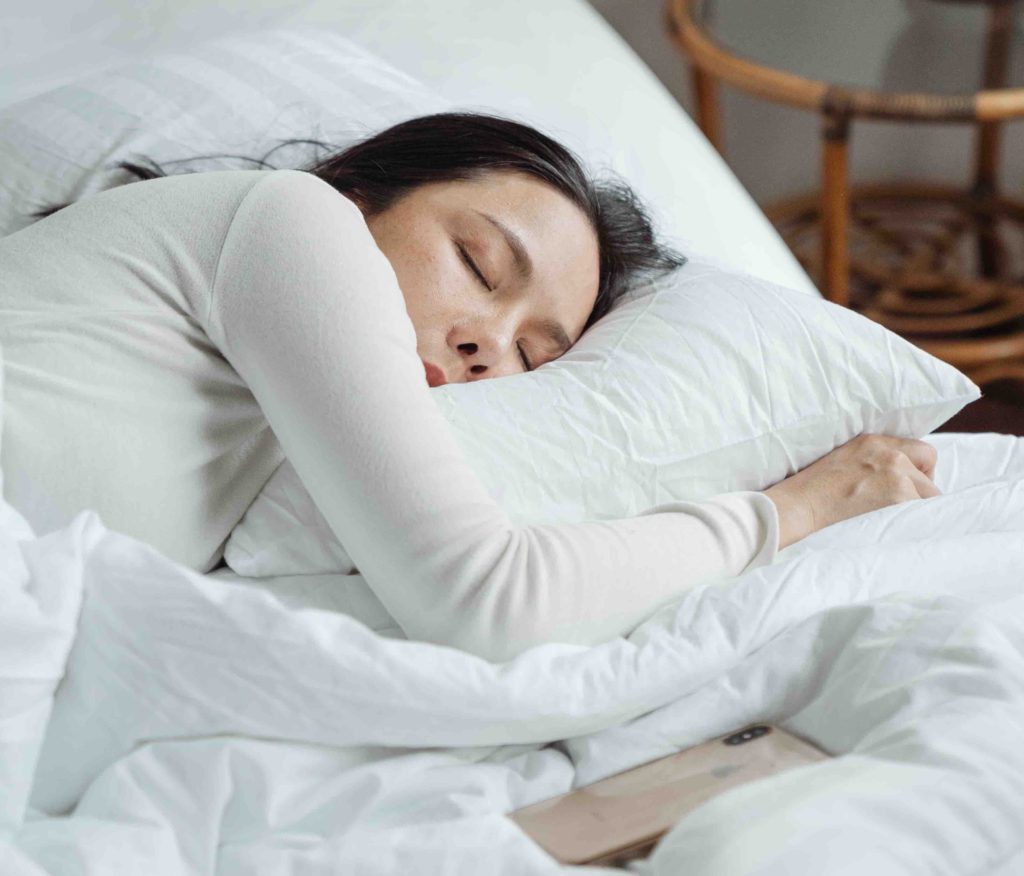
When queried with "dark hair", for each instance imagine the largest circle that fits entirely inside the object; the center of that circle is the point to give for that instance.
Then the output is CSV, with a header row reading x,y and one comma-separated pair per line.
x,y
378,171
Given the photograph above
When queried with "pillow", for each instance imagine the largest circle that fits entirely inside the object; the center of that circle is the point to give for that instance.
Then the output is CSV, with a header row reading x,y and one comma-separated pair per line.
x,y
704,383
240,95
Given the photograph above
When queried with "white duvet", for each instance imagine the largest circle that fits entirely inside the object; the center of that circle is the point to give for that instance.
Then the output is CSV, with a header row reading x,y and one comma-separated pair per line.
x,y
206,726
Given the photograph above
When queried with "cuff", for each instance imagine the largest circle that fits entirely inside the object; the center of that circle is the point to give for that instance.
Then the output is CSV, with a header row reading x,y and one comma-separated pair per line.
x,y
759,517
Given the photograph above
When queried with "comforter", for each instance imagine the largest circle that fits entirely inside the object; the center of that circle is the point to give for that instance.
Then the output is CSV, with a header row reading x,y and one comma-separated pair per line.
x,y
155,720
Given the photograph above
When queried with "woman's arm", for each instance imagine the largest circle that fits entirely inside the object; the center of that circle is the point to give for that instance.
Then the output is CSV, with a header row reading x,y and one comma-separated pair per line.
x,y
309,312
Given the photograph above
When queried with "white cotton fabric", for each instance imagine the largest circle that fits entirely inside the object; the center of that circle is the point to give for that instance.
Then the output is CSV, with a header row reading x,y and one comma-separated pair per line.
x,y
204,727
704,383
166,342
218,102
342,70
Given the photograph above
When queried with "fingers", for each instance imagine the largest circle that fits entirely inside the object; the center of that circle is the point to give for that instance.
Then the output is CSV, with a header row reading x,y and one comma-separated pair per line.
x,y
923,455
920,453
923,483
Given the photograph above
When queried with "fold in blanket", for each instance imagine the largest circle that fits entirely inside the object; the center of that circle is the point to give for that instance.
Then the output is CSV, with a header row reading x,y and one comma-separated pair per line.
x,y
193,725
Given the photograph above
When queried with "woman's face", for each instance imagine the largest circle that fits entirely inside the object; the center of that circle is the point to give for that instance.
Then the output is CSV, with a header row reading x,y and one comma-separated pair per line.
x,y
499,273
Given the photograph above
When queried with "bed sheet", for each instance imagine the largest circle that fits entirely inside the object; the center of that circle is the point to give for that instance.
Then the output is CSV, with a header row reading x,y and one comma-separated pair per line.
x,y
205,726
555,63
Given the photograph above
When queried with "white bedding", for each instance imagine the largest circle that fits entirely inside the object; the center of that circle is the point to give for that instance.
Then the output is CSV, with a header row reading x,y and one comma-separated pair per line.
x,y
555,63
205,727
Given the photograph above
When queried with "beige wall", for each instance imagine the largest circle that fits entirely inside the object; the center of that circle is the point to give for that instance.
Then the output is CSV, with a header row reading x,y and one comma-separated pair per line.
x,y
774,149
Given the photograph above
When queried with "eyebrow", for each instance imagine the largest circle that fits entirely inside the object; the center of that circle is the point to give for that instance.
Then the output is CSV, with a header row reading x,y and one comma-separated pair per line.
x,y
515,243
557,334
554,331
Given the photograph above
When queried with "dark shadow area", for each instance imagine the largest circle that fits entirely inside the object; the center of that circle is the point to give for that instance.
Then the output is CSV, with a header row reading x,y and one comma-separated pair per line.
x,y
1001,409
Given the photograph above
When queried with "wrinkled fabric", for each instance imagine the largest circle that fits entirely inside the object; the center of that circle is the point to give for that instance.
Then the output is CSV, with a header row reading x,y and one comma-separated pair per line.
x,y
166,343
204,726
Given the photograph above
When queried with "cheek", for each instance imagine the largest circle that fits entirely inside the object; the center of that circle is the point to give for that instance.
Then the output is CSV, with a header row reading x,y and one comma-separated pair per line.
x,y
434,291
416,267
432,279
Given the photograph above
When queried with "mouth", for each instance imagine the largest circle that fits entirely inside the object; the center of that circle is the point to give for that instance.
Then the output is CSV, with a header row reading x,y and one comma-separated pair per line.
x,y
435,376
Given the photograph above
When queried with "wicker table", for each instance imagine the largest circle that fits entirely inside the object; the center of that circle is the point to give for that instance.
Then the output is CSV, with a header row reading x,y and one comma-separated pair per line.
x,y
938,264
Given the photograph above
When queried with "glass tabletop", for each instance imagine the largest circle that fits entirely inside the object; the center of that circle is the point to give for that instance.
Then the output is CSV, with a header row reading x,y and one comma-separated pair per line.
x,y
935,47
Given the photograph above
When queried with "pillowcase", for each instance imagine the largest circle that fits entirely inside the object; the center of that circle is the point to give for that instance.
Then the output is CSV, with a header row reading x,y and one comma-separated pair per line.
x,y
241,95
701,384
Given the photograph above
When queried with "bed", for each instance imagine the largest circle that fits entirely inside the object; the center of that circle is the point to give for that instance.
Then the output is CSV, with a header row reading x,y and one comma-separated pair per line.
x,y
213,724
496,55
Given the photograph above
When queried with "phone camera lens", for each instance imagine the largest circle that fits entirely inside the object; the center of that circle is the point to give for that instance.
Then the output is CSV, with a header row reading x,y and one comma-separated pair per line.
x,y
747,734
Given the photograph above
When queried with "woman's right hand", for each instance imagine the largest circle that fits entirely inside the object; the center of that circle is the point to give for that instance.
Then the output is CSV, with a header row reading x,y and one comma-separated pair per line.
x,y
869,472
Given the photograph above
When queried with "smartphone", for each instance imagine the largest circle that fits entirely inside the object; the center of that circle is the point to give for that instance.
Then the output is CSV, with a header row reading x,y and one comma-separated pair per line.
x,y
620,818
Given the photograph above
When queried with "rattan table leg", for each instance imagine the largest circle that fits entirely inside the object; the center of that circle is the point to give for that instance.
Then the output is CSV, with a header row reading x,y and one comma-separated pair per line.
x,y
986,162
709,117
835,208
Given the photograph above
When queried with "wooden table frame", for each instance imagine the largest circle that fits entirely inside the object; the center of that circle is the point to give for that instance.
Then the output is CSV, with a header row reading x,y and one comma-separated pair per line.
x,y
838,106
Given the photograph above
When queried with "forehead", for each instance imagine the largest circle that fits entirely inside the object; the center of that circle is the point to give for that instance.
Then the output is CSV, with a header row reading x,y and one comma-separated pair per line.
x,y
558,236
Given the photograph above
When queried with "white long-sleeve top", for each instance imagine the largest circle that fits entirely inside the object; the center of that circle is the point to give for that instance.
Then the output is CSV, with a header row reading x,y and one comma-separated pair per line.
x,y
166,343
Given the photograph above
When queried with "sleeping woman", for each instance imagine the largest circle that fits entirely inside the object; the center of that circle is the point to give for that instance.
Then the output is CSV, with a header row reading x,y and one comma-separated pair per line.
x,y
167,343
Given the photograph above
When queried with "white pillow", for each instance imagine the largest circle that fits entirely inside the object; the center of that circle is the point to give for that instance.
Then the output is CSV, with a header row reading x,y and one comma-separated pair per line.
x,y
702,384
240,95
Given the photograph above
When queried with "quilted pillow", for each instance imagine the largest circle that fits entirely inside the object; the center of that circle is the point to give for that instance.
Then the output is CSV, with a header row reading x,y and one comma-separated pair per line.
x,y
240,95
704,383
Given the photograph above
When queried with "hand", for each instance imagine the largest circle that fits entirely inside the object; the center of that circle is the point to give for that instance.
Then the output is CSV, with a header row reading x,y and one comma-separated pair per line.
x,y
867,473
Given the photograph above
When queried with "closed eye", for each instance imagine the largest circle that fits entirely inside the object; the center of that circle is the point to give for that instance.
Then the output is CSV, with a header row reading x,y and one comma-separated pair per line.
x,y
468,260
522,355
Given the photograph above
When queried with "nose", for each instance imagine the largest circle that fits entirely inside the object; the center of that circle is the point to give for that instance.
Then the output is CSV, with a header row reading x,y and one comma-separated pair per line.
x,y
485,351
469,351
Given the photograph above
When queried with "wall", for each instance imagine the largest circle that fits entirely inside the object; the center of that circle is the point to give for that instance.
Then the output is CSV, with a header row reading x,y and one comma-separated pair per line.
x,y
774,150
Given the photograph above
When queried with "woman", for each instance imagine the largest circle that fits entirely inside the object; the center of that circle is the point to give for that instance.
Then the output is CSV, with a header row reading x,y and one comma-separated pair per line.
x,y
167,342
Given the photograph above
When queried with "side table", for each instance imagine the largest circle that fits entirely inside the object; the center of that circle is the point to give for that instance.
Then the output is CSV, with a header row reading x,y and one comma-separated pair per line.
x,y
939,265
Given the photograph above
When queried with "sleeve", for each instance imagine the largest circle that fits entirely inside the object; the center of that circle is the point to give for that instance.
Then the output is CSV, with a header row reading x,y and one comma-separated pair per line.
x,y
309,312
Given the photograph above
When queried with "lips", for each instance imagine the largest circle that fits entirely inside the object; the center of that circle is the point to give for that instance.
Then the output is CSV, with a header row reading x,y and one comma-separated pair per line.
x,y
435,376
